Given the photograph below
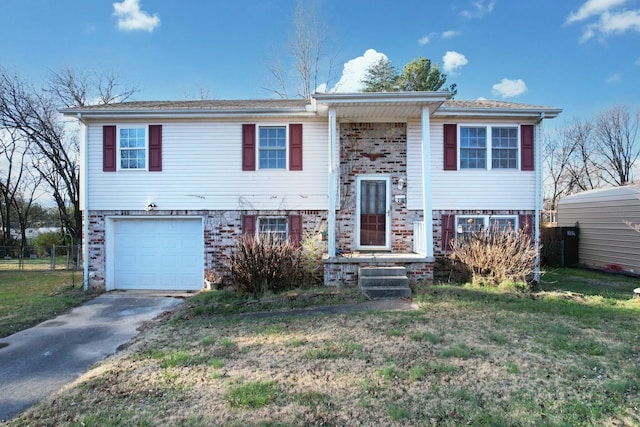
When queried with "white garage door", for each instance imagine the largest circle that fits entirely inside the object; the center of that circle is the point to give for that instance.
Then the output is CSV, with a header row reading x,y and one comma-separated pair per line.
x,y
158,254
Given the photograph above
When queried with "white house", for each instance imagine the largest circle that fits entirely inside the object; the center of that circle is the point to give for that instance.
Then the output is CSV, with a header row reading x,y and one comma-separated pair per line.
x,y
168,187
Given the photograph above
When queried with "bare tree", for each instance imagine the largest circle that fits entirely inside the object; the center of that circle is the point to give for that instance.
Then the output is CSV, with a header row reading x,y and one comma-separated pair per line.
x,y
54,148
582,172
557,155
307,54
616,139
71,88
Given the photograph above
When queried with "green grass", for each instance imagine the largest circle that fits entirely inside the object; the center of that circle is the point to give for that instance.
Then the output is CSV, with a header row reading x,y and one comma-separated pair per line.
x,y
253,394
30,297
562,355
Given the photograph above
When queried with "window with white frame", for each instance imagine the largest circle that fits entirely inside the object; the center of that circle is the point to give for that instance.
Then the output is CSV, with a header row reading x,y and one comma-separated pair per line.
x,y
489,147
272,225
473,147
469,224
132,147
272,147
504,148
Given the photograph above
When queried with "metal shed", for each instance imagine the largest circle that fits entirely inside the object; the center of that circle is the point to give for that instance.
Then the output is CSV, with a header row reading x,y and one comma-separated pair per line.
x,y
606,242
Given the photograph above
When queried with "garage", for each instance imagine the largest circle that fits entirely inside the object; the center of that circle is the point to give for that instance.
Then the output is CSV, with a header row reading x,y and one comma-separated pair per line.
x,y
157,254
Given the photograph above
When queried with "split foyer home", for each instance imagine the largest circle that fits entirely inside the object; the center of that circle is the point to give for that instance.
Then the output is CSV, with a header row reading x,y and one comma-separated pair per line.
x,y
390,178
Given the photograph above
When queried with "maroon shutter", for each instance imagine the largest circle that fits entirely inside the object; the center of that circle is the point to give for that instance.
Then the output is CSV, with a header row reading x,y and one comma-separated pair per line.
x,y
448,231
525,223
450,147
109,148
295,229
155,148
249,147
248,225
295,147
526,148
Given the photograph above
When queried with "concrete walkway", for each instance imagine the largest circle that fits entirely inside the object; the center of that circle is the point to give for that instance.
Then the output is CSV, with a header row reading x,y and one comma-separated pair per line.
x,y
38,361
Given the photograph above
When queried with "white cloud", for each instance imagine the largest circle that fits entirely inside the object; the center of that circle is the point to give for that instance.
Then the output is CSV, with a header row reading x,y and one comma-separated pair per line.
x,y
450,33
423,40
355,70
508,88
592,8
615,78
132,18
478,9
452,61
605,17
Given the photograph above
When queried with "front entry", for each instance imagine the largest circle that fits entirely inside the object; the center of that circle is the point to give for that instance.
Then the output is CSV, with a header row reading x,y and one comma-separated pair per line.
x,y
373,210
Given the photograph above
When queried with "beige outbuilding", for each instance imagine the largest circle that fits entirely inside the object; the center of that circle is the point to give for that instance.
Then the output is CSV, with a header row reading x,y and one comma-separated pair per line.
x,y
606,240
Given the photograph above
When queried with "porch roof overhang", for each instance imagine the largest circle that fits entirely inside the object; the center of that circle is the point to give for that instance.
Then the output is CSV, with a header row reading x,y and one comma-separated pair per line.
x,y
385,106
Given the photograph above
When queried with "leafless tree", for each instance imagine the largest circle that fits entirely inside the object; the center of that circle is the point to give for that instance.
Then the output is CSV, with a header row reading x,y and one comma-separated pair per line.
x,y
54,148
71,88
616,139
583,173
558,152
307,55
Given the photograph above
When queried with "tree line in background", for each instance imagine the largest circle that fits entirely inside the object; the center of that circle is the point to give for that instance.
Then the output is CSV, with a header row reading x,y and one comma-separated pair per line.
x,y
592,153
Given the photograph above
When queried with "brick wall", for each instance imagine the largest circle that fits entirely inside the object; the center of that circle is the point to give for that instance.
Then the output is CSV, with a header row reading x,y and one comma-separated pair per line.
x,y
221,232
374,149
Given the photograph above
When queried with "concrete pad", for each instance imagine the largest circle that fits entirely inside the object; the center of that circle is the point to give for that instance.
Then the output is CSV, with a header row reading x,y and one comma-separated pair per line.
x,y
36,362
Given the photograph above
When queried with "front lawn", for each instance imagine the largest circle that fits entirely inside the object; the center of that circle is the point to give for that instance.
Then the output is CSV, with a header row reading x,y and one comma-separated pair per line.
x,y
567,354
30,297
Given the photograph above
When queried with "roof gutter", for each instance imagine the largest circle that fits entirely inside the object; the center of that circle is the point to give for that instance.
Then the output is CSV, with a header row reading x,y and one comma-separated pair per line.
x,y
185,113
498,112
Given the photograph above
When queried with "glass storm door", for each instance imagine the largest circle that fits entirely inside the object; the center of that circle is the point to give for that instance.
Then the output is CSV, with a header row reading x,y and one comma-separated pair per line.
x,y
373,213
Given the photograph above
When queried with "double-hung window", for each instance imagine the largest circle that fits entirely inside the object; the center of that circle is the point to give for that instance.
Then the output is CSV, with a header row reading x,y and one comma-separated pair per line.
x,y
272,147
473,147
132,148
275,226
488,147
504,148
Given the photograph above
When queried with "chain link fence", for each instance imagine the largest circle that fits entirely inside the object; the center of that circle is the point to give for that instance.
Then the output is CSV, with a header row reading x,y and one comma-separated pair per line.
x,y
56,257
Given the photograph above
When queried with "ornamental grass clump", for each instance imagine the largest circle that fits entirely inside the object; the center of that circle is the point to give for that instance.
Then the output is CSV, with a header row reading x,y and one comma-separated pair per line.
x,y
497,257
265,263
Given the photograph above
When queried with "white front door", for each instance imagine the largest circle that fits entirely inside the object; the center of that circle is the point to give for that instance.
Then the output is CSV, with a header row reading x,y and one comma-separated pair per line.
x,y
373,212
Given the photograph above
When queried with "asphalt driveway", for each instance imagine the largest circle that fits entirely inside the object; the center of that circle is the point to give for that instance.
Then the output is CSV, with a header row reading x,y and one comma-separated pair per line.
x,y
38,361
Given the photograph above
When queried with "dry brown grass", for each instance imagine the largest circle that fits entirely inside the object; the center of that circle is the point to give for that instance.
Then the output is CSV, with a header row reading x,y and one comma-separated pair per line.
x,y
466,357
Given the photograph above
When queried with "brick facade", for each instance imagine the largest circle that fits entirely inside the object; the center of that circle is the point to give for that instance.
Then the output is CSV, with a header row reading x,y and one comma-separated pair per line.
x,y
222,229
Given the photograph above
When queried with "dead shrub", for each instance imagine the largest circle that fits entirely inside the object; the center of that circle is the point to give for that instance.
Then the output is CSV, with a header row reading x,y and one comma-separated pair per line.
x,y
313,247
497,257
265,264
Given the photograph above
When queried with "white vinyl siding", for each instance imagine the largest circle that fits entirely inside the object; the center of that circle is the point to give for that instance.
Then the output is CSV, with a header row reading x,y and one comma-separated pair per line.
x,y
202,169
502,189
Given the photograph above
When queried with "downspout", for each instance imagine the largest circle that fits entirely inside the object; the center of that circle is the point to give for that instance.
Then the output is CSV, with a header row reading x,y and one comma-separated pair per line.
x,y
84,200
538,194
331,216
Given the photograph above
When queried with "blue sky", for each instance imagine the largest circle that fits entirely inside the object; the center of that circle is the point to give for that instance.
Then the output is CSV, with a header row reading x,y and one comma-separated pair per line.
x,y
579,55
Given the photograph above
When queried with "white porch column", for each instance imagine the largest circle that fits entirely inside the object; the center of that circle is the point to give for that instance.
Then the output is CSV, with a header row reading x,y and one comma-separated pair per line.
x,y
333,184
426,181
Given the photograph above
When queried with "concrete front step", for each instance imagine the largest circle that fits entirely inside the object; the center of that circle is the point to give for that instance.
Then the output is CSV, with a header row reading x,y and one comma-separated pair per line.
x,y
382,271
384,282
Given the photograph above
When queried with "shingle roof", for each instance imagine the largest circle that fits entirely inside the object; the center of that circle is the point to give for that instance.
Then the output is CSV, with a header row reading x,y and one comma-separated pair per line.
x,y
248,104
488,103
